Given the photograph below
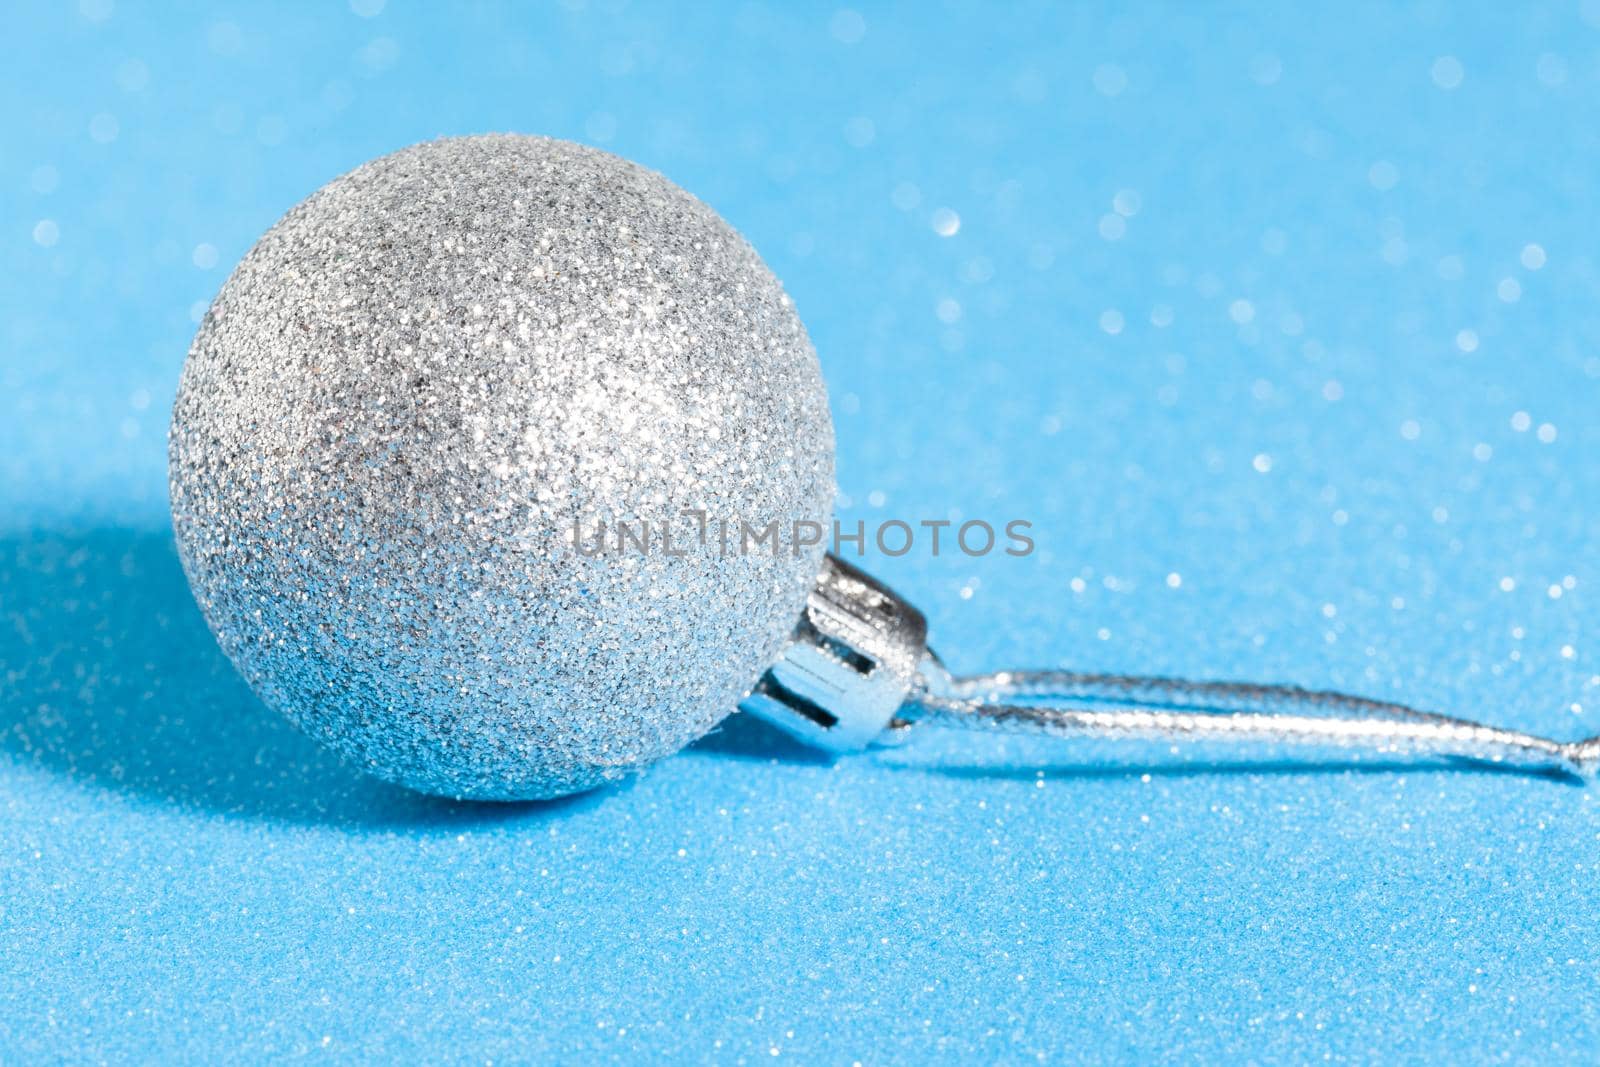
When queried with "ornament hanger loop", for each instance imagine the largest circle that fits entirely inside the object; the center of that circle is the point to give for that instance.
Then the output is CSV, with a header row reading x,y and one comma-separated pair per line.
x,y
1114,706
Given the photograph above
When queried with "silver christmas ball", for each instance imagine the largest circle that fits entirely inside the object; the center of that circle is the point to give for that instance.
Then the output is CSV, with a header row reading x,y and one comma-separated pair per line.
x,y
415,393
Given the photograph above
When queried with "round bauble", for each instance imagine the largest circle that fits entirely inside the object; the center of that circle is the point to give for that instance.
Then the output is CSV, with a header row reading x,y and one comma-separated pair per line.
x,y
416,399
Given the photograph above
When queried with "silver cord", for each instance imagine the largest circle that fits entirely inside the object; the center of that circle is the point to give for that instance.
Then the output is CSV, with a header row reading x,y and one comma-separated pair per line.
x,y
1113,706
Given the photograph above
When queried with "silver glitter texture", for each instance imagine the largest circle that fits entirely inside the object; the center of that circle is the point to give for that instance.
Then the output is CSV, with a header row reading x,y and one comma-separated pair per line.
x,y
401,401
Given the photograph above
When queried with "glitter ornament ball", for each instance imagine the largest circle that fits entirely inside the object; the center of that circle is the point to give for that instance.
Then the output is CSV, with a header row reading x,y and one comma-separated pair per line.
x,y
413,393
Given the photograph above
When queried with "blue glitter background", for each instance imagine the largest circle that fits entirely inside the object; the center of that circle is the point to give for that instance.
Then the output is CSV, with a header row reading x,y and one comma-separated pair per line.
x,y
1277,323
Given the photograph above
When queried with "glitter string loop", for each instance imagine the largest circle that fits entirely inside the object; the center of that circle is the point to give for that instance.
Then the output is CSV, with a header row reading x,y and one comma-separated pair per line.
x,y
1177,710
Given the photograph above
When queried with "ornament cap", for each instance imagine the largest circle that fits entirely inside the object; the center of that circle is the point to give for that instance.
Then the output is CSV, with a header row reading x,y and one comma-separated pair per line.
x,y
849,666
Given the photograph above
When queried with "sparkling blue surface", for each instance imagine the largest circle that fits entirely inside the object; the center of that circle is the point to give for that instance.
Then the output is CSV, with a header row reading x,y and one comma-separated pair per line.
x,y
1280,327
